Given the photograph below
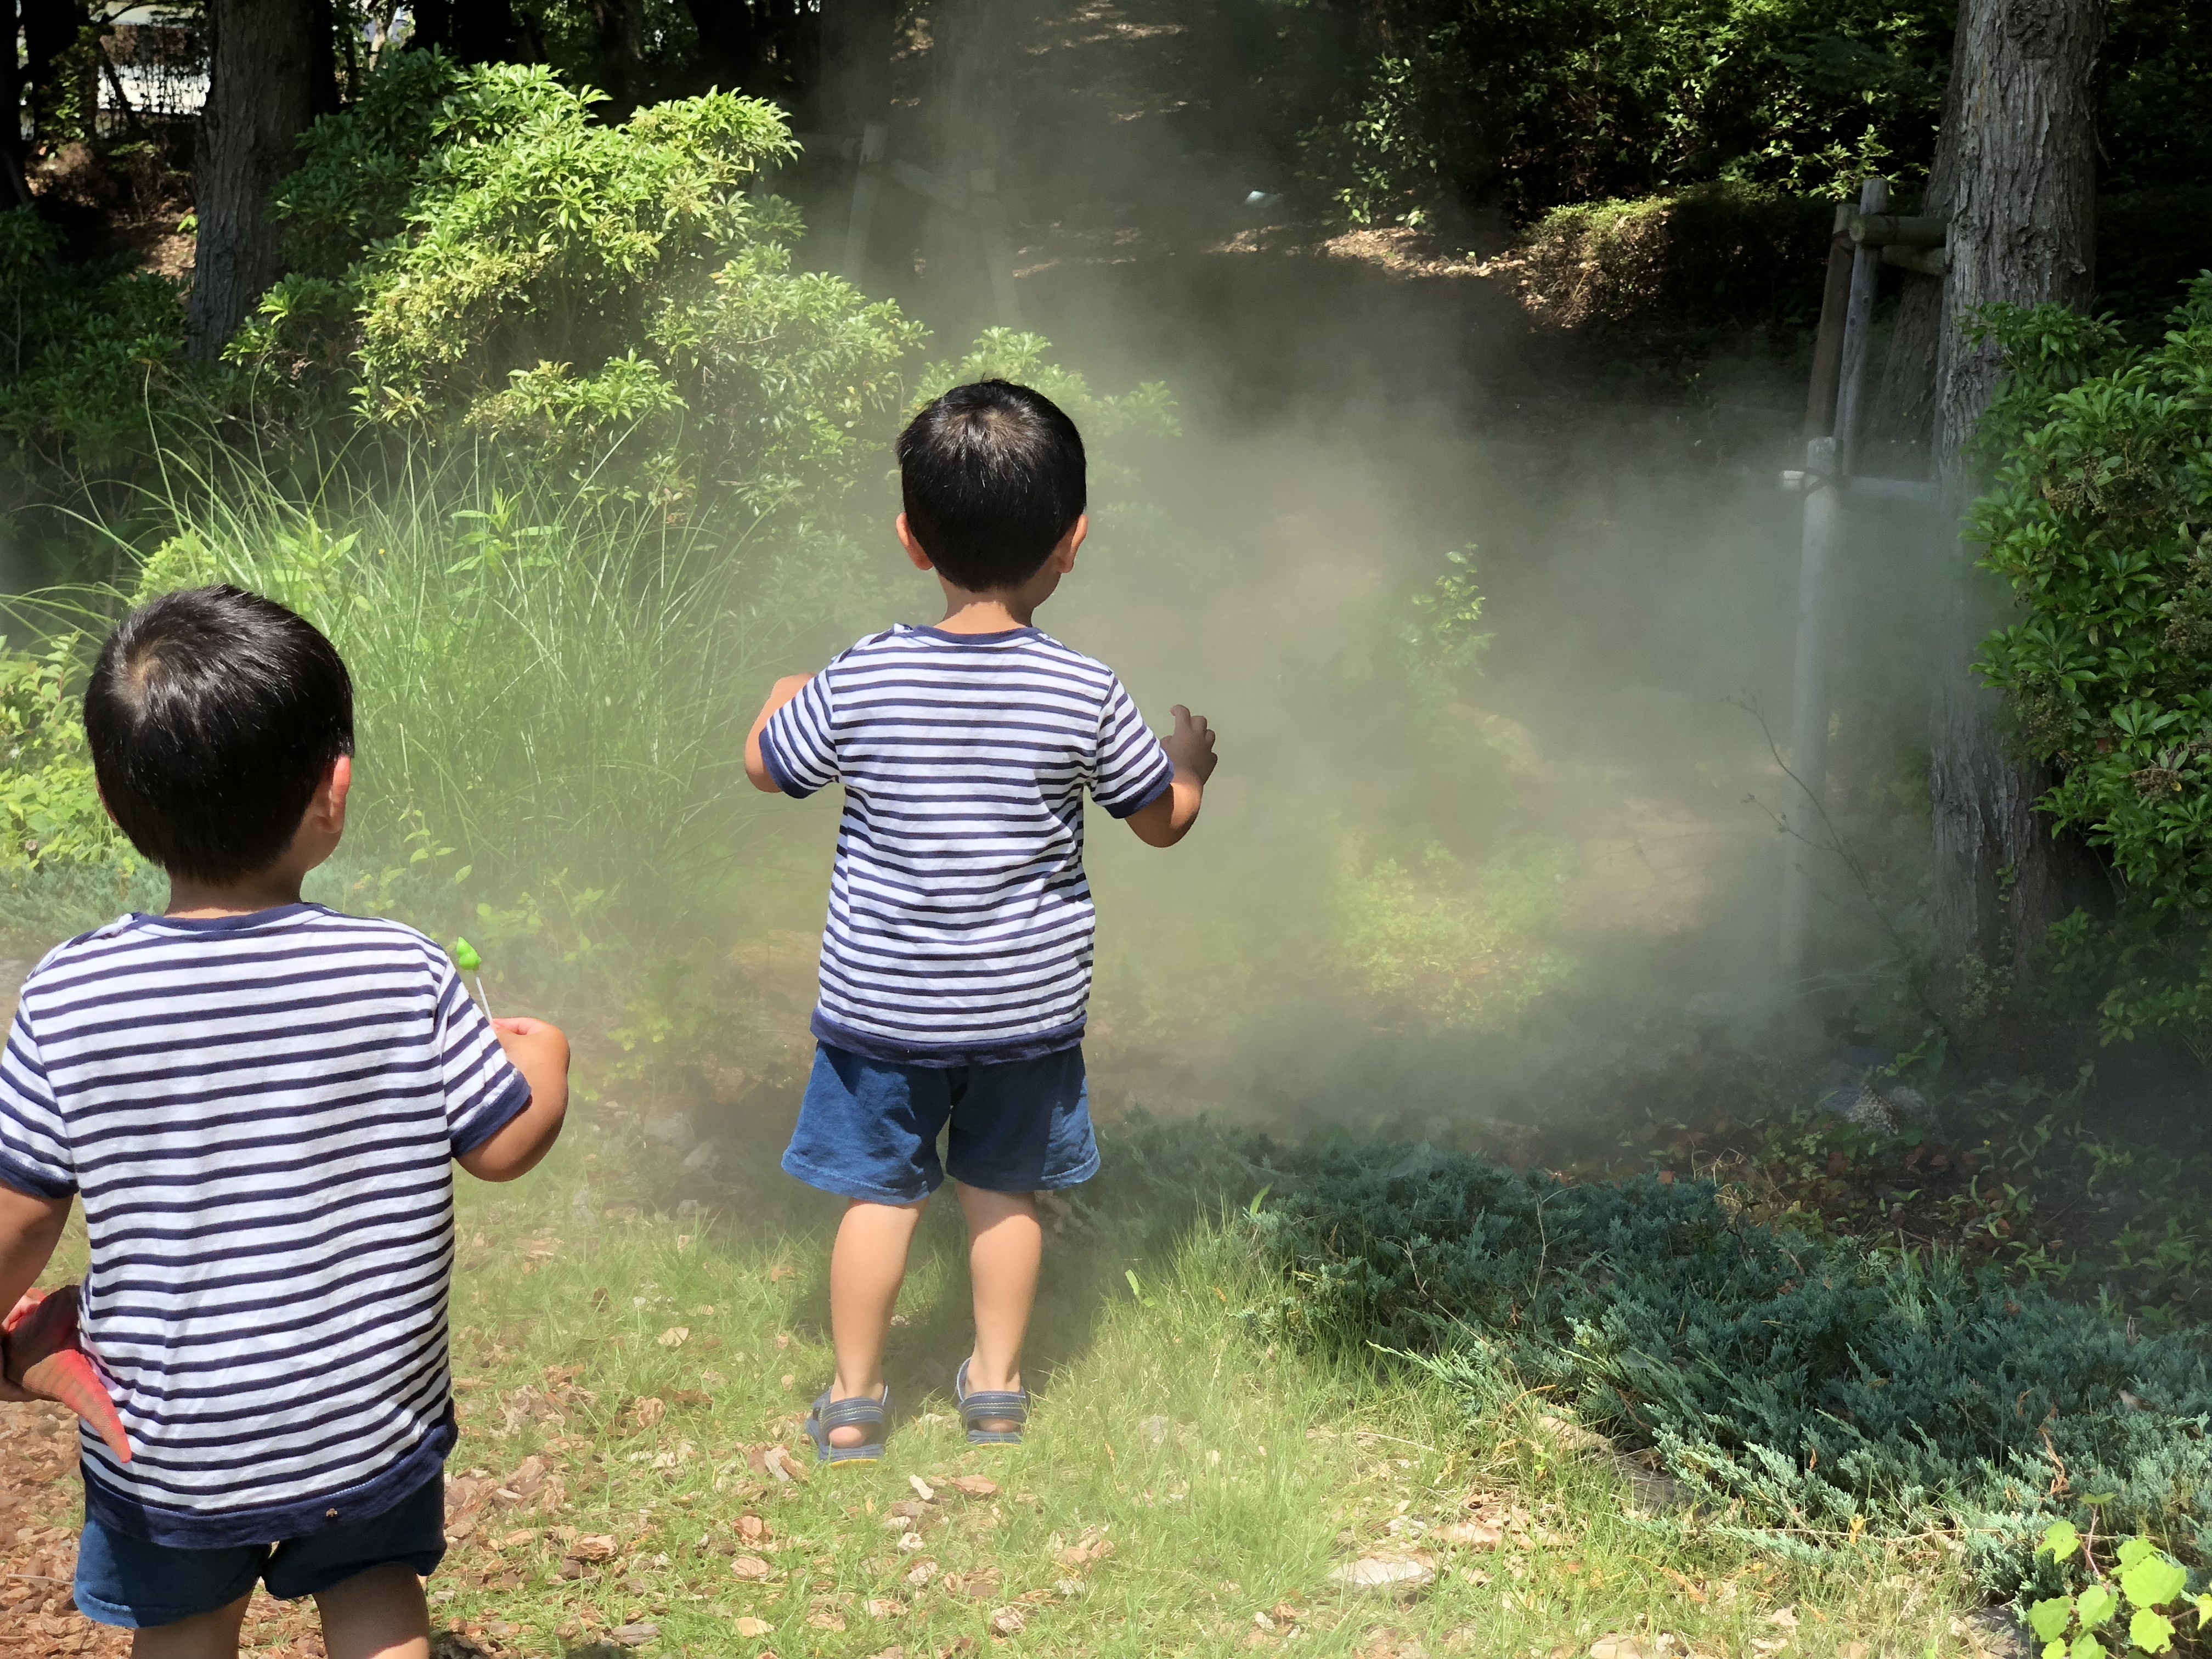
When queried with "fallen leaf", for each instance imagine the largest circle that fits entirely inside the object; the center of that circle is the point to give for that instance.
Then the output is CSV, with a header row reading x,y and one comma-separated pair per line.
x,y
1467,1535
1008,1621
750,1567
973,1486
909,1543
790,1381
634,1636
1785,1617
752,1528
825,1620
892,1653
776,1275
752,1629
594,1547
1616,1647
884,1607
782,1465
675,1336
648,1412
922,1489
920,1573
1085,1552
513,1539
1852,1650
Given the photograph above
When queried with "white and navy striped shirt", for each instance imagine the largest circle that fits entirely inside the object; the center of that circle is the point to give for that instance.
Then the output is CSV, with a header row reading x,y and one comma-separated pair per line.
x,y
259,1113
960,920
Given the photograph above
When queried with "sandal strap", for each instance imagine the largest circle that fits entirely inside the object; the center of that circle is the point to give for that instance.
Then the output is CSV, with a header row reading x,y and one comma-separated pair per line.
x,y
849,1413
995,1403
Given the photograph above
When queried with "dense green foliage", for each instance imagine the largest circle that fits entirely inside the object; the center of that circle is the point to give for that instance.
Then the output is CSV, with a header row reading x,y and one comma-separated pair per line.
x,y
1537,103
1806,1391
2101,523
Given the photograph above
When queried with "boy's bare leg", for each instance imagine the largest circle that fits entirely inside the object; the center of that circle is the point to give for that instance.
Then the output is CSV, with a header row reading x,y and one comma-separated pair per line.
x,y
204,1636
867,1265
1005,1252
377,1615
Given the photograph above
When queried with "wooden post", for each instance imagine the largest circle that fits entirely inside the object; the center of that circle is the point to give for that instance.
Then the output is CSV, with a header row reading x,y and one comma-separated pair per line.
x,y
1828,343
867,185
1858,327
998,257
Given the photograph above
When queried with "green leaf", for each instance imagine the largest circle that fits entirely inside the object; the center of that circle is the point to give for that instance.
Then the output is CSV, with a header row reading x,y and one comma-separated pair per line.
x,y
2087,1646
2151,1631
2153,1581
2135,1549
2095,1605
2049,1619
2054,1651
465,957
2062,1541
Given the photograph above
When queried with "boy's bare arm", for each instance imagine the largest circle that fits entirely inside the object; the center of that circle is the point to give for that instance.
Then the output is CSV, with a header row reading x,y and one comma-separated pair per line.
x,y
779,693
1190,747
29,1229
540,1053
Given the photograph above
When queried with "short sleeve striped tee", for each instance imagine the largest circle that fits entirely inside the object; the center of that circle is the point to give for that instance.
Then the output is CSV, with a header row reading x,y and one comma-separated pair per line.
x,y
960,919
259,1113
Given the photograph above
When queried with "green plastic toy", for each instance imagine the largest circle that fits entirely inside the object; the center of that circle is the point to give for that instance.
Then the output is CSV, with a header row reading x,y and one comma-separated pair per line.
x,y
466,959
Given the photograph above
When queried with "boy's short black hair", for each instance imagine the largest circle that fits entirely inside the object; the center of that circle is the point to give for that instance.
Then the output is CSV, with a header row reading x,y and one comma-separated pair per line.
x,y
993,475
212,714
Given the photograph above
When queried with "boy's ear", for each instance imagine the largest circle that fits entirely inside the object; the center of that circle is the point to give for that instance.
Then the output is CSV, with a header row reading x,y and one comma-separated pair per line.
x,y
338,783
914,550
1063,556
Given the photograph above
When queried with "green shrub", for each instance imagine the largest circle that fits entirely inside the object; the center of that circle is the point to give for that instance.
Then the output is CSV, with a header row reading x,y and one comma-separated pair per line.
x,y
1809,1392
2101,524
1712,256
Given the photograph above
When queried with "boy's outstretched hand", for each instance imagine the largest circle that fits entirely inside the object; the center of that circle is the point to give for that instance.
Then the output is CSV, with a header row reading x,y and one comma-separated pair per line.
x,y
1190,747
540,1053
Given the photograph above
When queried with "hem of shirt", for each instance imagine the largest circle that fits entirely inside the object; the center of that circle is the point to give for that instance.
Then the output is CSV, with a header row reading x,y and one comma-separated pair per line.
x,y
501,1114
943,1055
778,773
22,1178
270,1523
1150,796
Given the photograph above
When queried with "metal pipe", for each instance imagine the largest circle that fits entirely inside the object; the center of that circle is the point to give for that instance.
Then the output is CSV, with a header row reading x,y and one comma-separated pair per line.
x,y
1803,821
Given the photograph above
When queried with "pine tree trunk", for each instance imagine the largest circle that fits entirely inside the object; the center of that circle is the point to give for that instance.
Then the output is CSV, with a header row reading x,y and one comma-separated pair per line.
x,y
2016,174
265,59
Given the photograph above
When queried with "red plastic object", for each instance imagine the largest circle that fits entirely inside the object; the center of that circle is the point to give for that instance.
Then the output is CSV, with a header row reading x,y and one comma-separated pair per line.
x,y
41,1353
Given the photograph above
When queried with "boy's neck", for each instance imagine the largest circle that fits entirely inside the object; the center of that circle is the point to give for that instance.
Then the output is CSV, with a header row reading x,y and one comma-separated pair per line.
x,y
984,613
197,901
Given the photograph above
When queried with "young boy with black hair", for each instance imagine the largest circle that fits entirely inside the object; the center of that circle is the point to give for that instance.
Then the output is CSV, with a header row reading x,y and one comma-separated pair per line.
x,y
259,1101
956,964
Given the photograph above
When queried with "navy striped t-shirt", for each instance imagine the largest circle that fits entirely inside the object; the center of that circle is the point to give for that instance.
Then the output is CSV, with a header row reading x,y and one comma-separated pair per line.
x,y
259,1113
960,920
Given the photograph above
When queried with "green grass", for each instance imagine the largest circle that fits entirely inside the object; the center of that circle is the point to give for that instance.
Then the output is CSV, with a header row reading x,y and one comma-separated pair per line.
x,y
1231,1477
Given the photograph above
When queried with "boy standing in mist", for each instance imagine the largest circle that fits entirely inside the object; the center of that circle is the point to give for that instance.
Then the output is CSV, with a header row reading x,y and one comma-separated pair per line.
x,y
259,1101
955,962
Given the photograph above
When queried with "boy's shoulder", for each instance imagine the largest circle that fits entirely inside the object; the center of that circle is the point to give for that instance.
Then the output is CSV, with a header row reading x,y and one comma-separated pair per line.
x,y
129,941
909,647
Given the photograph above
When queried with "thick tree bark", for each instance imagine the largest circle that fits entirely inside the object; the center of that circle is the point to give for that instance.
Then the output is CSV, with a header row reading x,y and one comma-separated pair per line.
x,y
619,55
51,27
11,112
269,71
2016,174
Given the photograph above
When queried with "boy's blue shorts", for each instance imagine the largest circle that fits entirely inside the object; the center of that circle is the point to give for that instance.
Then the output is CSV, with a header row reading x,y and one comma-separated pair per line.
x,y
125,1581
868,1128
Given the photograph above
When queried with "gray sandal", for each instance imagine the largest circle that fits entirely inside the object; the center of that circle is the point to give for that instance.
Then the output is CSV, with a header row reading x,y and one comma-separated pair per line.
x,y
991,1405
860,1412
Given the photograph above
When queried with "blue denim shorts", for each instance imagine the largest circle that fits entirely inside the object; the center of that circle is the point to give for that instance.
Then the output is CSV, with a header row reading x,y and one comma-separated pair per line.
x,y
868,1128
125,1581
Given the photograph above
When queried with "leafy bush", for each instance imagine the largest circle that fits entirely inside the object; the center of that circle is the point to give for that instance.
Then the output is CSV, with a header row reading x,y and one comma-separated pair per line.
x,y
1809,1391
1540,102
1714,255
2101,524
479,256
2151,1582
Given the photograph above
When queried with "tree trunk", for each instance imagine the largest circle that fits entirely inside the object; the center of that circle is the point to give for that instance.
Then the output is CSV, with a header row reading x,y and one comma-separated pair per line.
x,y
619,55
11,113
856,62
269,64
2016,174
467,31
